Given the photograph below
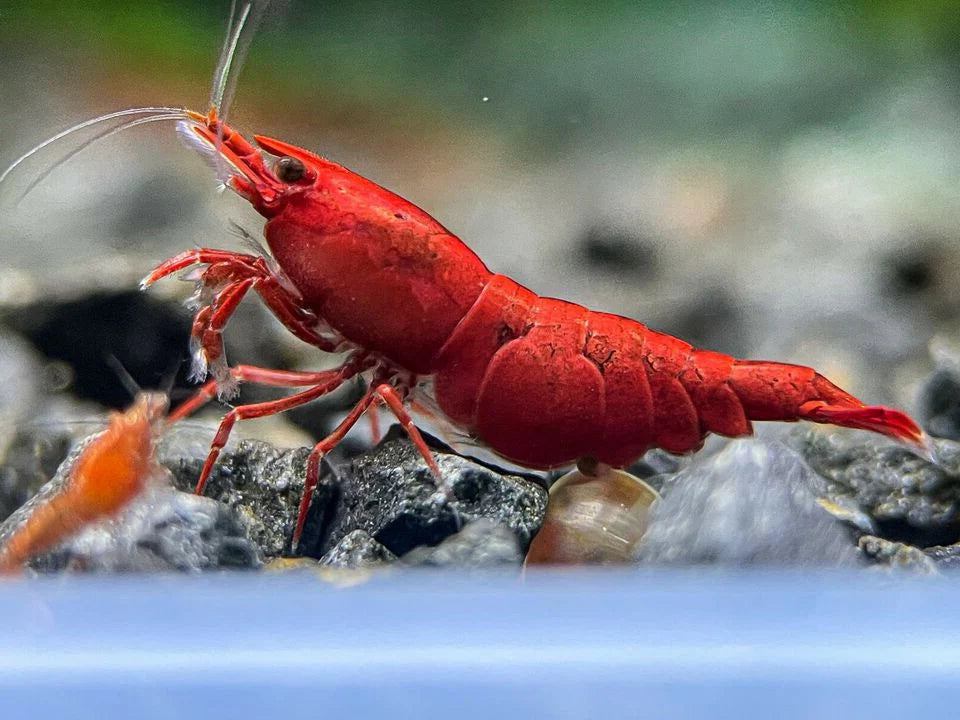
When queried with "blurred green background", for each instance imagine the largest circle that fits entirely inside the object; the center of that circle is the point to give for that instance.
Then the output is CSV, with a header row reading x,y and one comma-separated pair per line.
x,y
776,179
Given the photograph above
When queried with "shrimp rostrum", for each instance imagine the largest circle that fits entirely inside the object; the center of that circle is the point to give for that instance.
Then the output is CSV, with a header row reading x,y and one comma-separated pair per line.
x,y
541,382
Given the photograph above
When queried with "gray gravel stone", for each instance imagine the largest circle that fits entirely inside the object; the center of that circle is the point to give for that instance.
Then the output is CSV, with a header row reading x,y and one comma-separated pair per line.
x,y
899,556
163,530
19,515
22,380
357,550
480,544
24,466
32,450
263,484
909,498
754,503
946,557
29,461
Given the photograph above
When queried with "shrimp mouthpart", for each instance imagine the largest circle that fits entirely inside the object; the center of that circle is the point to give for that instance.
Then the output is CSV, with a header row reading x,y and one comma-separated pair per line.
x,y
247,173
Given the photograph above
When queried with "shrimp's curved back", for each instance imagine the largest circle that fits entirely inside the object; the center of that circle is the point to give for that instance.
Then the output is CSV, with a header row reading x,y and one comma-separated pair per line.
x,y
113,469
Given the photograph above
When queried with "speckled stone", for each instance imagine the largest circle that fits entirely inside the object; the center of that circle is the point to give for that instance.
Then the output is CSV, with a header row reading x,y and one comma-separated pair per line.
x,y
482,543
897,556
357,550
909,498
263,484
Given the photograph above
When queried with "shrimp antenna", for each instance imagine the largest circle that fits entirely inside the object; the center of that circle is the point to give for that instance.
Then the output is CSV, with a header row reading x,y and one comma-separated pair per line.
x,y
228,53
126,379
98,137
234,51
246,16
169,378
151,114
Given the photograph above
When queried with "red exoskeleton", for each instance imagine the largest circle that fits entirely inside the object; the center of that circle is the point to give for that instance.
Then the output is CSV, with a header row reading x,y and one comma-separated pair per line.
x,y
542,382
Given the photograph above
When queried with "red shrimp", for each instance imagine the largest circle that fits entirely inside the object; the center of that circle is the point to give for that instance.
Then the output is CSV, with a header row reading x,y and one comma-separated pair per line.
x,y
541,382
110,472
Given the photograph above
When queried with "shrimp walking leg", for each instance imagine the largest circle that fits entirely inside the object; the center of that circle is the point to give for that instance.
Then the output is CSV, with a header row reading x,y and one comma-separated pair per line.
x,y
255,375
197,256
389,396
373,418
272,407
206,337
226,266
289,310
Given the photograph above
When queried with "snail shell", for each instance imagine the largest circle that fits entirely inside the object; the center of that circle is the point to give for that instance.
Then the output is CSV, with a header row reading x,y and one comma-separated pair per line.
x,y
593,518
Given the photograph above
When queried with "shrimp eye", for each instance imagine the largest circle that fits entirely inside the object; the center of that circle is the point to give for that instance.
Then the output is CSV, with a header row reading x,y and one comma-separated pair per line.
x,y
289,169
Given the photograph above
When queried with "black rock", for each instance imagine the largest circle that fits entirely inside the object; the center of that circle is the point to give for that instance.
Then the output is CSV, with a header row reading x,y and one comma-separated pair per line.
x,y
480,544
711,318
390,493
263,484
921,277
357,550
911,270
939,406
615,250
147,336
754,503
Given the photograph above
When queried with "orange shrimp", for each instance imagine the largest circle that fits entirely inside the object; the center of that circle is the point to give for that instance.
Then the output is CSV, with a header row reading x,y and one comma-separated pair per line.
x,y
110,472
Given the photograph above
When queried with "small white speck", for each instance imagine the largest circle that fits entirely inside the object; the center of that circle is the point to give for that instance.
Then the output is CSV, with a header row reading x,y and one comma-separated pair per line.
x,y
486,99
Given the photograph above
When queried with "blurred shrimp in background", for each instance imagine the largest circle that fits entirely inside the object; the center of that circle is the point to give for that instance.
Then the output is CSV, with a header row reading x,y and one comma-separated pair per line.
x,y
776,181
112,469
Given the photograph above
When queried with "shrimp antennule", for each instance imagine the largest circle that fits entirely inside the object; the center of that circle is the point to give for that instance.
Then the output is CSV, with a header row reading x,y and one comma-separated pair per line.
x,y
150,115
